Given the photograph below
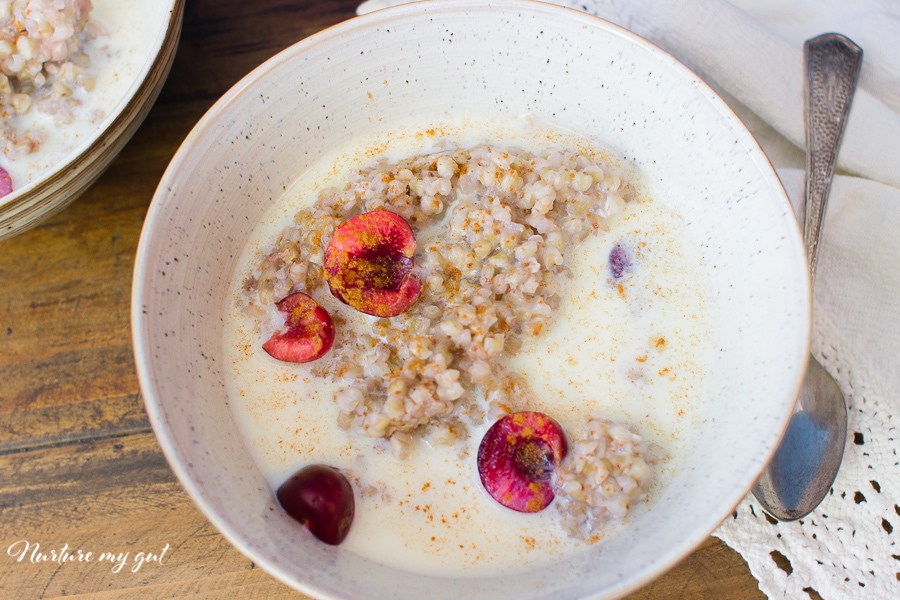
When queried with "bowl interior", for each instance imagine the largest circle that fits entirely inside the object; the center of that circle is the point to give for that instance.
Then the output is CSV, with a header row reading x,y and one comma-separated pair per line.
x,y
440,60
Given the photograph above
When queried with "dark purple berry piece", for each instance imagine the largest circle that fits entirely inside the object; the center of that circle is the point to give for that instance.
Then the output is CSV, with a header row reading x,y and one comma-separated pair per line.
x,y
619,261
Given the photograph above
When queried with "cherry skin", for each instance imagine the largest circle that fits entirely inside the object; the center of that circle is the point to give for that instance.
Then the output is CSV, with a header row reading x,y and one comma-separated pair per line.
x,y
369,262
321,498
308,332
517,457
6,184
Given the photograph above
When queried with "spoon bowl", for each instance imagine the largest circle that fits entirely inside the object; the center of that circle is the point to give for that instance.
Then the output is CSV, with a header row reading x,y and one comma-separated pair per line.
x,y
807,460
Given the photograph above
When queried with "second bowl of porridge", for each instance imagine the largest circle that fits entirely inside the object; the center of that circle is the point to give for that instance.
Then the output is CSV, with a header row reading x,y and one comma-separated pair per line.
x,y
430,304
77,78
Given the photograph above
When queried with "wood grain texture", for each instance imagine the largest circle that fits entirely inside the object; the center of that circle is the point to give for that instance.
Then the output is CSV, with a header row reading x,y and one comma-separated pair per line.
x,y
116,496
78,462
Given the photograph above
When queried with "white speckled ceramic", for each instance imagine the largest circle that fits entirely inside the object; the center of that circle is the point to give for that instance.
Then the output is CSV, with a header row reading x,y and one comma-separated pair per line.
x,y
28,205
496,58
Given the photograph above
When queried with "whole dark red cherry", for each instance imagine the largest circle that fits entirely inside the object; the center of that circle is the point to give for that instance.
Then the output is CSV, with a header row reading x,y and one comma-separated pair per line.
x,y
321,498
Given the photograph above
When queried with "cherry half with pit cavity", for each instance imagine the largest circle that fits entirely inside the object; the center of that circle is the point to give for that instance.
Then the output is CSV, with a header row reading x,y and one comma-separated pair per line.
x,y
369,262
517,457
308,331
321,498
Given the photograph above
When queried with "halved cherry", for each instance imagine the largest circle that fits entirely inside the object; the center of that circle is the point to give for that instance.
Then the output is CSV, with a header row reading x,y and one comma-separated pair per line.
x,y
516,458
307,334
321,498
369,262
6,184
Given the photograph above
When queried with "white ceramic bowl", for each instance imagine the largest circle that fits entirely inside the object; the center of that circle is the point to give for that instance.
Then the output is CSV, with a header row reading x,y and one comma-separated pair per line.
x,y
145,34
498,59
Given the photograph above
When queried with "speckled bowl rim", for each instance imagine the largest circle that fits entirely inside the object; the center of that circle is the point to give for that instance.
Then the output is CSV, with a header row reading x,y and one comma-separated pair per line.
x,y
134,106
664,561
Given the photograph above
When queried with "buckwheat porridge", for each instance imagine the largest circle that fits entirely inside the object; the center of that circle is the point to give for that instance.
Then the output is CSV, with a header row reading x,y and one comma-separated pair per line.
x,y
64,66
550,283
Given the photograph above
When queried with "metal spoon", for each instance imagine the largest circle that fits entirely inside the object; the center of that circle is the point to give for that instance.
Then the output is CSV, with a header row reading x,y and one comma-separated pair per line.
x,y
807,460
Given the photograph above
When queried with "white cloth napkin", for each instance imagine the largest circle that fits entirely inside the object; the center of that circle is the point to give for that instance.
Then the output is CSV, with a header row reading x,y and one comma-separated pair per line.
x,y
751,52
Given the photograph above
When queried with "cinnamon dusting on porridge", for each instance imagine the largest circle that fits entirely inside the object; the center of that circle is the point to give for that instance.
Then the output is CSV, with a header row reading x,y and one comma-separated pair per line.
x,y
493,227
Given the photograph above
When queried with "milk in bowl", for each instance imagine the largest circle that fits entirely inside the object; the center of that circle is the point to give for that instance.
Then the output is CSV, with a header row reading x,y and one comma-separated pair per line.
x,y
566,290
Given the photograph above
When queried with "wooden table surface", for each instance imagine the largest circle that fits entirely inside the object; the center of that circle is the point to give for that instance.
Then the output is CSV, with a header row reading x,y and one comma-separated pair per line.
x,y
80,468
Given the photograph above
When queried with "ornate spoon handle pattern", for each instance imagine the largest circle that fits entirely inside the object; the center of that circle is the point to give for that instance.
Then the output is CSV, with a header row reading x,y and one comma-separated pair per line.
x,y
832,65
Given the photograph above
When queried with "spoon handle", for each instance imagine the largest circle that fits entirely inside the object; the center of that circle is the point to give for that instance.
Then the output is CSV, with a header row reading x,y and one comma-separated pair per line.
x,y
832,71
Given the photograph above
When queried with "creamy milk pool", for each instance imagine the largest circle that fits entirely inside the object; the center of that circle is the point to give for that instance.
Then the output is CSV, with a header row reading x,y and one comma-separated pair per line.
x,y
118,59
633,350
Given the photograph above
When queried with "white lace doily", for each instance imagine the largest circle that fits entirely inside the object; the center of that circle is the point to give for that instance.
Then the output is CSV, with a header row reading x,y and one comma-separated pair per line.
x,y
848,547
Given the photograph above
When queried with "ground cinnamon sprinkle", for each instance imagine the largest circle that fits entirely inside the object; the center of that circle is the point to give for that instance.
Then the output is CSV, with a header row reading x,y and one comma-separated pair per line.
x,y
490,277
